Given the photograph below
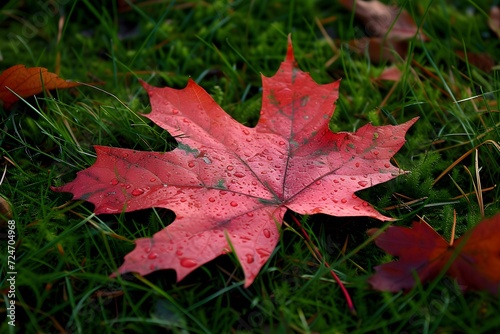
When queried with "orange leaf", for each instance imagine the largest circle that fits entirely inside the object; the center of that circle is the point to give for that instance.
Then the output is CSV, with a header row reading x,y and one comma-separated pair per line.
x,y
473,259
27,82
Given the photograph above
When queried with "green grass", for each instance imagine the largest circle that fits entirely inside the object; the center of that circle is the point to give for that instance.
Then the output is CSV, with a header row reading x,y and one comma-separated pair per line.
x,y
65,253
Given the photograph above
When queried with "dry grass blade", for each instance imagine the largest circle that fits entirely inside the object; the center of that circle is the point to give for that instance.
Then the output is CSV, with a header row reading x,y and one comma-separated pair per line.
x,y
465,155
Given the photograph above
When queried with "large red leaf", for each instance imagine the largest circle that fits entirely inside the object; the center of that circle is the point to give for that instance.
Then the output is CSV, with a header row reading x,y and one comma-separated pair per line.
x,y
473,259
228,183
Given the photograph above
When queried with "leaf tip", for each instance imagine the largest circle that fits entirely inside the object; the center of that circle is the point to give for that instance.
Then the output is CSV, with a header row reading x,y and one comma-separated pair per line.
x,y
372,231
289,53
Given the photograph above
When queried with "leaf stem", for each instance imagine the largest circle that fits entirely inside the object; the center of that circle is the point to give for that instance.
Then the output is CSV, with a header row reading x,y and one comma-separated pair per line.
x,y
452,238
320,258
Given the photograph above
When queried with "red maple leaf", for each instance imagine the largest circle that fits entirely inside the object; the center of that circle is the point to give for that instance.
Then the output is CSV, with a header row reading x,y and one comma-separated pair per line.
x,y
230,185
473,259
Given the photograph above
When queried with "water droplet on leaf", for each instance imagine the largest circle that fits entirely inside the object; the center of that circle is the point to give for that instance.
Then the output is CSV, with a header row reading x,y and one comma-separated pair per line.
x,y
188,263
233,204
363,183
266,232
137,192
152,256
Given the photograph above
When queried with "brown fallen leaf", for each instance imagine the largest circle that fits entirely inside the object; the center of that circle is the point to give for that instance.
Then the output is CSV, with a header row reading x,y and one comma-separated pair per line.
x,y
27,82
494,20
391,73
385,21
482,61
379,49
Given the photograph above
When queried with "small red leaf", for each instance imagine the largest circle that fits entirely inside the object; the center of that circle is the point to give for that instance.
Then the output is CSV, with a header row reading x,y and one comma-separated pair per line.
x,y
27,82
230,185
475,257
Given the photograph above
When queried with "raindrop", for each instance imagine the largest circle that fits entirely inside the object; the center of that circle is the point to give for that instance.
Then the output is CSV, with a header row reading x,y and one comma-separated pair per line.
x,y
250,258
175,111
147,249
125,155
179,253
343,200
356,208
238,174
152,179
128,186
269,158
336,181
114,182
190,164
375,152
249,214
245,131
230,167
365,204
262,252
266,232
152,256
222,192
282,142
254,183
211,199
387,165
137,192
357,164
188,263
318,182
233,204
363,183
